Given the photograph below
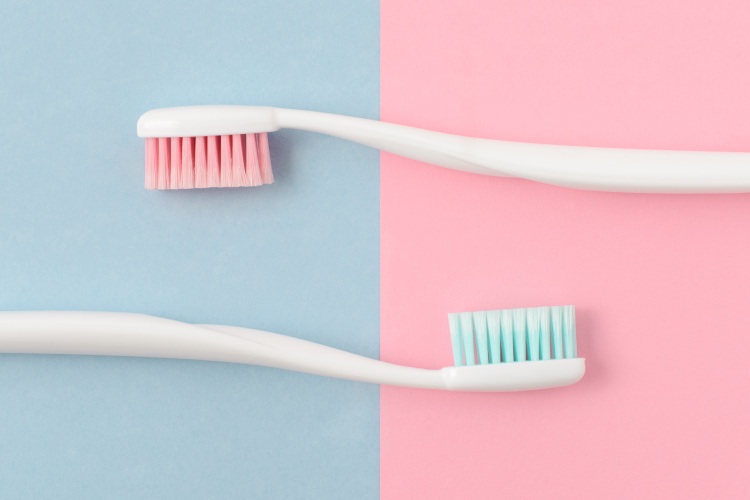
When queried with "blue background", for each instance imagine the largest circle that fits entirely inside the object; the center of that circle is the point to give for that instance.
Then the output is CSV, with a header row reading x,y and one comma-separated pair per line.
x,y
79,232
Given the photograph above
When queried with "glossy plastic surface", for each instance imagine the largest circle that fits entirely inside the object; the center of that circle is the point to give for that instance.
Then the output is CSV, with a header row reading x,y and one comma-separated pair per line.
x,y
125,334
604,169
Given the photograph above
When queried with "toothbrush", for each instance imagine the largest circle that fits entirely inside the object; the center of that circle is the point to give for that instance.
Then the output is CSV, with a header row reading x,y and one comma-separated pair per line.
x,y
226,146
518,349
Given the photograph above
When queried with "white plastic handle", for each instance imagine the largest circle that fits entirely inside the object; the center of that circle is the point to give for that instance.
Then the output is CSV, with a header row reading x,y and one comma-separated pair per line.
x,y
605,169
124,334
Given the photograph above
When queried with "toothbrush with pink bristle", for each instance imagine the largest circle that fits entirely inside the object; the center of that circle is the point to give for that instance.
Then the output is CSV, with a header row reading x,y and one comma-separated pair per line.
x,y
227,146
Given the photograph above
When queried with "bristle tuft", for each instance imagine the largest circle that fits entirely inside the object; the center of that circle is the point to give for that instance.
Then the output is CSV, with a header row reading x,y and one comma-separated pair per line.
x,y
226,161
480,334
513,335
493,332
519,334
212,161
544,332
199,162
239,176
252,161
174,162
187,174
506,332
467,332
533,329
557,333
569,331
264,159
163,163
455,329
152,169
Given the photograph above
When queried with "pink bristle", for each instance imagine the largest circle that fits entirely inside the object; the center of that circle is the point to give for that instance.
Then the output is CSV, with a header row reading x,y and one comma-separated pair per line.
x,y
251,161
226,161
239,176
174,163
163,163
151,162
209,161
212,161
187,180
201,172
264,158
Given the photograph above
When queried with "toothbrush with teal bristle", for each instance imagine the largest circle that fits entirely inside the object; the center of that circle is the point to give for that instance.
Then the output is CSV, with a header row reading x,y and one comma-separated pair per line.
x,y
506,350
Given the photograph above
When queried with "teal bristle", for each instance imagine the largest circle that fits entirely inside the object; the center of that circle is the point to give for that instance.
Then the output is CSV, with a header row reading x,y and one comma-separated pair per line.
x,y
519,334
557,333
480,332
455,329
513,335
493,333
569,332
544,332
533,332
506,334
467,337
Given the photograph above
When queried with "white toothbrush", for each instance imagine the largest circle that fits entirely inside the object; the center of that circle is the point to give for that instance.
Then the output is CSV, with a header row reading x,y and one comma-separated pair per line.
x,y
225,146
125,334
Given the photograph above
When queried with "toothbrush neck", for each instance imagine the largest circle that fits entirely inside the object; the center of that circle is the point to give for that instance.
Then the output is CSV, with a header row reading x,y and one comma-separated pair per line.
x,y
436,148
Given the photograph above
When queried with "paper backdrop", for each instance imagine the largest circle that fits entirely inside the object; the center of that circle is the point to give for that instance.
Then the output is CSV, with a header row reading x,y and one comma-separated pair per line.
x,y
299,257
661,283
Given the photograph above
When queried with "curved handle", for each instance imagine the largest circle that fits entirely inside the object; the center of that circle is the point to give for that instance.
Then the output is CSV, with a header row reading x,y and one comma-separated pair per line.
x,y
126,334
117,334
605,169
289,353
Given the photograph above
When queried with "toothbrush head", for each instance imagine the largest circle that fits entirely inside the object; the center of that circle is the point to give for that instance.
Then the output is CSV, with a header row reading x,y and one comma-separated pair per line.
x,y
207,146
514,349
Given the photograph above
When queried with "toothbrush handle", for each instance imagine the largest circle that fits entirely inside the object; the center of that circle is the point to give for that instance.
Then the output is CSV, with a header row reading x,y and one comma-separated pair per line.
x,y
290,353
125,334
605,169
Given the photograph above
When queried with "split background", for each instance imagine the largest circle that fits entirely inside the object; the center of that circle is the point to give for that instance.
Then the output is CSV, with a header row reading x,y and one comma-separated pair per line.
x,y
371,260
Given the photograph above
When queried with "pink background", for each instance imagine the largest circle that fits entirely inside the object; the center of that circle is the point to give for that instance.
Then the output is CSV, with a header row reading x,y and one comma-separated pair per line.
x,y
661,282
